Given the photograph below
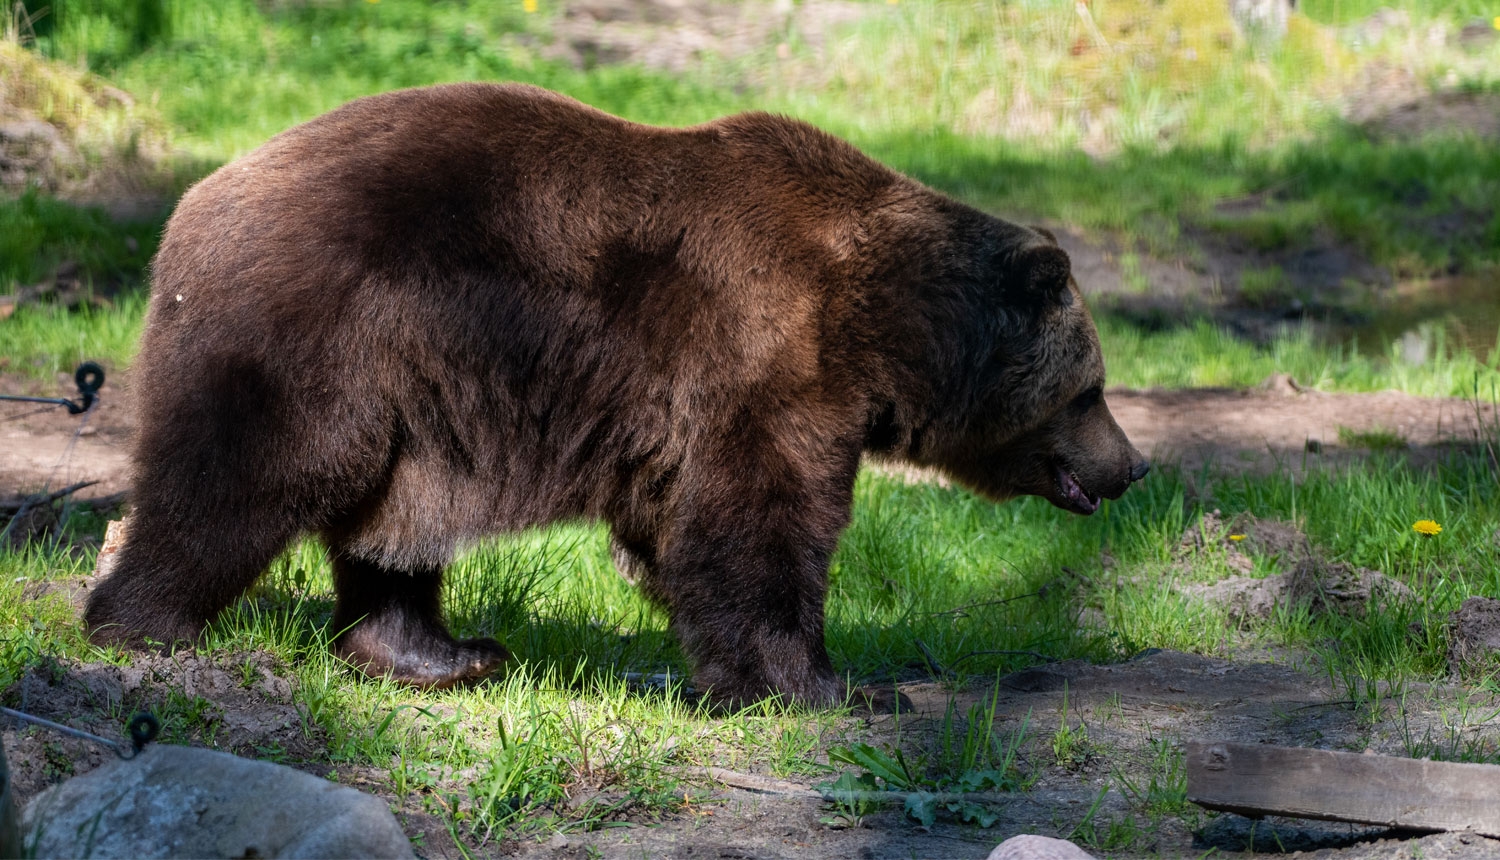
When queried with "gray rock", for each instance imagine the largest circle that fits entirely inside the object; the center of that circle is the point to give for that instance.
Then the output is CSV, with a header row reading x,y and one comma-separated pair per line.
x,y
174,801
1262,20
1028,847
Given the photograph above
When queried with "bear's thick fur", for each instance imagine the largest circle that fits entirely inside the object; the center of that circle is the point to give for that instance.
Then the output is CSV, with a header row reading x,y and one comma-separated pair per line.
x,y
440,313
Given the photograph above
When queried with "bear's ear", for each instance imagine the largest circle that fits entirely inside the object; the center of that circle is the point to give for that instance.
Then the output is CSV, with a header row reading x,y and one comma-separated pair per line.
x,y
1039,273
1051,236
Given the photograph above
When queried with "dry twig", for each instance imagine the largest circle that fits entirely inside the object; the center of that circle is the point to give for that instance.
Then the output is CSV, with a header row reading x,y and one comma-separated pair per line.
x,y
13,506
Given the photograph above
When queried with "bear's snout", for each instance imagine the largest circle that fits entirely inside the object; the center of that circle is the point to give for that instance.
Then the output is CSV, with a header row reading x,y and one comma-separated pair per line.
x,y
1101,460
1139,470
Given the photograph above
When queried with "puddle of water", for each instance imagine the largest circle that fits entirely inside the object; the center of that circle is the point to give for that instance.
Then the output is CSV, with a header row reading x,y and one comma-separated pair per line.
x,y
1419,318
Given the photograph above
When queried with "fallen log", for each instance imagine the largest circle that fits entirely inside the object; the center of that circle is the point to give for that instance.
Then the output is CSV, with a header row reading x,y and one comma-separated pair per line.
x,y
1412,794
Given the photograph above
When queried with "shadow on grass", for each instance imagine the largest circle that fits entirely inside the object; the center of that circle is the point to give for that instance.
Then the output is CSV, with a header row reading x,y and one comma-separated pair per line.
x,y
1422,207
1319,231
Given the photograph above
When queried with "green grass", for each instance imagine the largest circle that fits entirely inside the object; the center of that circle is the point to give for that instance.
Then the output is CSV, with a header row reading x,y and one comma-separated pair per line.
x,y
39,233
42,340
226,76
1374,439
1203,355
1343,11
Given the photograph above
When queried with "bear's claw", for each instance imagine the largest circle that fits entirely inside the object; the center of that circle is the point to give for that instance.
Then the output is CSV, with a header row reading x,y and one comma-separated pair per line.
x,y
430,665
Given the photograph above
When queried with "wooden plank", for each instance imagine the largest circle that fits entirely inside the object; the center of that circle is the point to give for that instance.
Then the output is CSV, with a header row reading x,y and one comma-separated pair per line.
x,y
1255,780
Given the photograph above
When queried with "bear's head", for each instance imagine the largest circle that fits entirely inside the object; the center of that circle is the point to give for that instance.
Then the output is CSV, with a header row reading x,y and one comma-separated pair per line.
x,y
1031,419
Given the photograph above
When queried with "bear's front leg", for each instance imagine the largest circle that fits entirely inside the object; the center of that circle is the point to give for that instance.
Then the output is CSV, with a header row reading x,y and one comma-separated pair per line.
x,y
753,627
744,575
751,620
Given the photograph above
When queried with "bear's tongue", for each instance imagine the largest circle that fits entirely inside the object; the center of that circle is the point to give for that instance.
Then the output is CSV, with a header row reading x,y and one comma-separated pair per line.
x,y
1073,493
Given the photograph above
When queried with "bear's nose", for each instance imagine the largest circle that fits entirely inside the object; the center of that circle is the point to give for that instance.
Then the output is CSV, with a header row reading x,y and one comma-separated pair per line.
x,y
1139,470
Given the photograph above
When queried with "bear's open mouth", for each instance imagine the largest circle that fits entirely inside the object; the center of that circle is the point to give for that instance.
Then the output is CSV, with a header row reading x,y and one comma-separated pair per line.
x,y
1071,494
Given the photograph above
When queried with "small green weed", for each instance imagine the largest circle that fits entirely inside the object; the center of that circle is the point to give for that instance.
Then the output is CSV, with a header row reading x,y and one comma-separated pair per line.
x,y
852,797
1164,790
1071,748
1264,288
888,777
1115,835
1373,439
970,760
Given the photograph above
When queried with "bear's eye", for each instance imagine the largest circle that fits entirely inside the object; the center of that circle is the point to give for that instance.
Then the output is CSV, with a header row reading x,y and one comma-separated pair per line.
x,y
1088,399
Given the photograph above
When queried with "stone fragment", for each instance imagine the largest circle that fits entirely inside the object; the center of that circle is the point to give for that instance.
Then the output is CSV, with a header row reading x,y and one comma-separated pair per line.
x,y
1029,847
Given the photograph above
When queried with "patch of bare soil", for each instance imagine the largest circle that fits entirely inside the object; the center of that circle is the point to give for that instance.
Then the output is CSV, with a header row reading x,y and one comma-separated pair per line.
x,y
676,35
1282,426
244,703
1207,281
45,449
1477,113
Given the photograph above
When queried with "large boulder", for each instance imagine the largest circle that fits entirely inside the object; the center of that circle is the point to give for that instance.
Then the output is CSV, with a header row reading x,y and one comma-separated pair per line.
x,y
172,801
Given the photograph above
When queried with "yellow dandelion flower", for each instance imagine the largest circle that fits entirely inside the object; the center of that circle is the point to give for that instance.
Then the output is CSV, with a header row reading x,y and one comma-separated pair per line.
x,y
1236,537
1497,22
529,6
1426,527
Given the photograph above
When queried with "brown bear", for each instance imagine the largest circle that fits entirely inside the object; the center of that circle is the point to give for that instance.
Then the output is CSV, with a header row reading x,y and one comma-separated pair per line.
x,y
440,313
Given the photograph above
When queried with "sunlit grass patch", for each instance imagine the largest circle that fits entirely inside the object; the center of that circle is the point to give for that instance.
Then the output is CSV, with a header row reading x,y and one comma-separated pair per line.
x,y
35,617
42,340
1373,439
1202,354
1115,75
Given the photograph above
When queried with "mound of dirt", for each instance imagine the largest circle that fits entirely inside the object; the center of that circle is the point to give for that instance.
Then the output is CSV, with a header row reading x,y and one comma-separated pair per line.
x,y
68,133
1311,580
243,701
1473,636
1475,113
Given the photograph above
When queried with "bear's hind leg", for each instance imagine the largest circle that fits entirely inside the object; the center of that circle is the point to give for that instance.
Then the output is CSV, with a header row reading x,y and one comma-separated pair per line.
x,y
175,574
390,622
